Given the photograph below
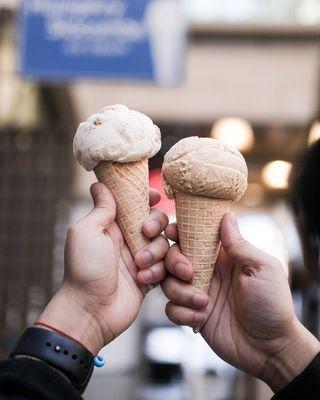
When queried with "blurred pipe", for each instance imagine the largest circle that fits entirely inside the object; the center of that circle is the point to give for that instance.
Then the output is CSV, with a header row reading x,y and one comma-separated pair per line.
x,y
19,101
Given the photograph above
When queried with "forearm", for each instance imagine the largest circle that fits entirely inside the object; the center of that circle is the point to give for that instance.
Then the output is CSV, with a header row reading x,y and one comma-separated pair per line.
x,y
68,314
65,339
296,354
305,386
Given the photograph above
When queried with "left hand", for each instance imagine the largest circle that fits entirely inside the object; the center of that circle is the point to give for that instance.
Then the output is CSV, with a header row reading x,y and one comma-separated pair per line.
x,y
104,286
248,318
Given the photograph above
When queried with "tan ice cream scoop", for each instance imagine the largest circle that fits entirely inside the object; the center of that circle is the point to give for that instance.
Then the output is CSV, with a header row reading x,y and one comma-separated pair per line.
x,y
205,167
204,177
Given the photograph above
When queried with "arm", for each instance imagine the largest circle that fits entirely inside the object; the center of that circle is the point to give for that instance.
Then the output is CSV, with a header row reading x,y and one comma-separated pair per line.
x,y
102,290
305,385
248,318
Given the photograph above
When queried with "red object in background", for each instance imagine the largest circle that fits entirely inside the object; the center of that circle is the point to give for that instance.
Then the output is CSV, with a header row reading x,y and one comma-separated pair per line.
x,y
155,182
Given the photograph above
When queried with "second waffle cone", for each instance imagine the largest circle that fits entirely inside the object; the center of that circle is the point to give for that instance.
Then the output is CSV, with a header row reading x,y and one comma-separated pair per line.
x,y
198,220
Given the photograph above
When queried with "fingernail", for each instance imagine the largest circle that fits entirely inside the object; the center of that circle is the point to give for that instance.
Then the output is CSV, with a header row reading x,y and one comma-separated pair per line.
x,y
95,189
154,226
145,257
233,220
100,188
199,300
181,268
199,318
146,275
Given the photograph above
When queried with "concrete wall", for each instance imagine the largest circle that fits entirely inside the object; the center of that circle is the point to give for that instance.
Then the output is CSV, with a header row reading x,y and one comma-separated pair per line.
x,y
266,81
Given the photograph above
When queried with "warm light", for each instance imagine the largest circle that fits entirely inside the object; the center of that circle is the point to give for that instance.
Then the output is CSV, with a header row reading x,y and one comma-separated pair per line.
x,y
236,132
275,174
166,345
314,134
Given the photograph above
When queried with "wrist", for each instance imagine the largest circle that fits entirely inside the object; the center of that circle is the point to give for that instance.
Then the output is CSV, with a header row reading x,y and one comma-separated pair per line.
x,y
68,314
296,352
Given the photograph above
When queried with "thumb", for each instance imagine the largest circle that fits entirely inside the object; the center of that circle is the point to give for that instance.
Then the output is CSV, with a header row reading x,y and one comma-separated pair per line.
x,y
104,211
241,252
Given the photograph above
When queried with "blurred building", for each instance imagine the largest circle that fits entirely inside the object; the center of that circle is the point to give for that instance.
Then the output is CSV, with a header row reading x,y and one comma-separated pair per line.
x,y
251,78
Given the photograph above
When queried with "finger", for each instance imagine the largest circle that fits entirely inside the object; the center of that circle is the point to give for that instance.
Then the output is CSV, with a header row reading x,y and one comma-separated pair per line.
x,y
152,253
155,223
182,294
178,265
154,197
185,316
152,275
171,232
241,252
104,211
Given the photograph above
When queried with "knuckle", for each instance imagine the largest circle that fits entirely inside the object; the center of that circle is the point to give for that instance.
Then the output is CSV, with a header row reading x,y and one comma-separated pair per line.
x,y
106,210
173,253
167,263
164,217
165,243
176,249
236,244
155,214
175,317
196,318
164,240
159,271
164,286
160,248
175,293
167,287
240,242
170,259
155,275
164,272
73,229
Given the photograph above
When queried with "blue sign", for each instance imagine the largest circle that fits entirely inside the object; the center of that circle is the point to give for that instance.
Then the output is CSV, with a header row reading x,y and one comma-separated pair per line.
x,y
63,39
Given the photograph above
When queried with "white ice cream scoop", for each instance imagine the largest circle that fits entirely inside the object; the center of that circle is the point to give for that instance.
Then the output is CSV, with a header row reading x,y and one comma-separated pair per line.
x,y
116,134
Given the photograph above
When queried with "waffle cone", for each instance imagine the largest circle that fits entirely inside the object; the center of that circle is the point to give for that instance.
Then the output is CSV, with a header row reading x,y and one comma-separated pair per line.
x,y
198,220
128,182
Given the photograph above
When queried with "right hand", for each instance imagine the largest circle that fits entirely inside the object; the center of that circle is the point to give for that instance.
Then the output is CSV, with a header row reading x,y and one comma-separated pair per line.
x,y
104,286
248,319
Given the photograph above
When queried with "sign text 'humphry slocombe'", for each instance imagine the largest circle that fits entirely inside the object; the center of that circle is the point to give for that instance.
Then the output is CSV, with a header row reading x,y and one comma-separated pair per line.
x,y
63,39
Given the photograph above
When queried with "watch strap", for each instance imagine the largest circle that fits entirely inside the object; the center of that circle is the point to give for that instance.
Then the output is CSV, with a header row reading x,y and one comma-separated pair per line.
x,y
61,352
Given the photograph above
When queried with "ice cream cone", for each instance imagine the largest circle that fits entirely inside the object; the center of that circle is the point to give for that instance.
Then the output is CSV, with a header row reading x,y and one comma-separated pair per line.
x,y
204,177
198,220
128,183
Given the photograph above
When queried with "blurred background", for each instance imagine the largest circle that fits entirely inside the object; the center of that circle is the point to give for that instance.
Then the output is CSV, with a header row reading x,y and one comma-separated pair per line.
x,y
244,71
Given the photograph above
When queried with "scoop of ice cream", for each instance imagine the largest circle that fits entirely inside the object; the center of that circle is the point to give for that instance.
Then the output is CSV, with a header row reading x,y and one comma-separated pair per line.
x,y
204,167
115,134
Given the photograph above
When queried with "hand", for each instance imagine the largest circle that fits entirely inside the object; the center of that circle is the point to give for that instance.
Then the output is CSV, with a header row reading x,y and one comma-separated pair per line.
x,y
104,285
248,319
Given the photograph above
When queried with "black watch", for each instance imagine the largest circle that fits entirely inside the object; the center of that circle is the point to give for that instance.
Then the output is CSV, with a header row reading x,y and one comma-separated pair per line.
x,y
61,352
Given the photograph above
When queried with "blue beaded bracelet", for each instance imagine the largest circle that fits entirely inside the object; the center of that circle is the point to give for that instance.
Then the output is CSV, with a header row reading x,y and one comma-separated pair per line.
x,y
98,361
